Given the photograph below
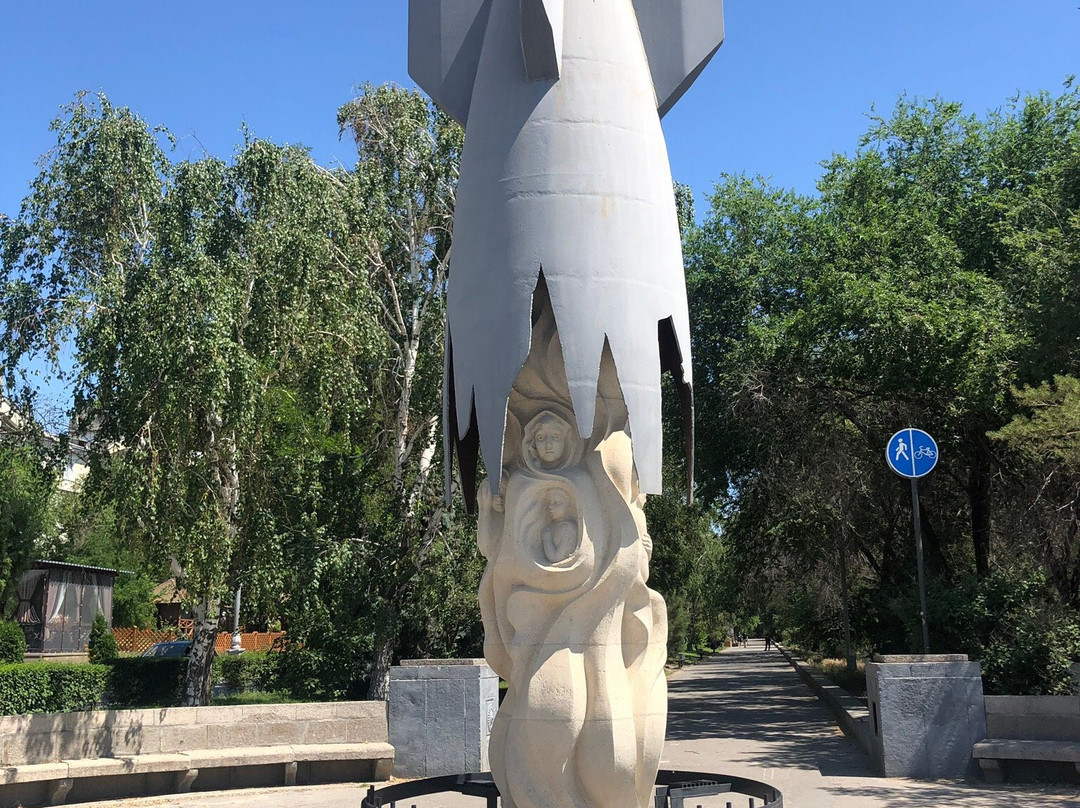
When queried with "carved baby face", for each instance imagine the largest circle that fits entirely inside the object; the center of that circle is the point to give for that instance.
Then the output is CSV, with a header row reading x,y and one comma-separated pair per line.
x,y
558,506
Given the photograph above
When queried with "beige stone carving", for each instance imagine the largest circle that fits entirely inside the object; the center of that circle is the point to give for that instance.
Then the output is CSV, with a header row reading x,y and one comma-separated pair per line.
x,y
569,619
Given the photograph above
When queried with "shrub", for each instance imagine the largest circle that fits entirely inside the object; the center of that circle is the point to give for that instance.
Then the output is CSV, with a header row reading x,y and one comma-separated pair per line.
x,y
1010,621
811,623
248,671
837,671
1031,650
102,644
146,681
12,642
50,687
312,673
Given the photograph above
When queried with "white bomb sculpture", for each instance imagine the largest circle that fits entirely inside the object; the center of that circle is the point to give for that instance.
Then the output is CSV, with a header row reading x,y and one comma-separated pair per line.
x,y
566,302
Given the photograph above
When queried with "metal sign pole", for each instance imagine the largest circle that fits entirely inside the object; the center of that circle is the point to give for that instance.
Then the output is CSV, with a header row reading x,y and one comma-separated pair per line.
x,y
919,562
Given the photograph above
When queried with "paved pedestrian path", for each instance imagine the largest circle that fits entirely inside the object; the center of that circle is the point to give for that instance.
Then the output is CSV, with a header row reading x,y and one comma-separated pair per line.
x,y
746,712
743,712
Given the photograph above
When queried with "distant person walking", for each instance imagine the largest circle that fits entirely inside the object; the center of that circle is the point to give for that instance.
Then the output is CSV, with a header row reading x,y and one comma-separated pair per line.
x,y
768,640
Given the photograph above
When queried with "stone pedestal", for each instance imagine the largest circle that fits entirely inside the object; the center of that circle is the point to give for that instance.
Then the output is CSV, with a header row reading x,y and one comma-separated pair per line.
x,y
440,716
925,714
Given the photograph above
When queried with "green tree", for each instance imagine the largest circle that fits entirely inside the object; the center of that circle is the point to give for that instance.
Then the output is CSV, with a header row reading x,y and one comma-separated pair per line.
x,y
1042,446
133,602
408,156
101,645
26,484
934,272
190,291
687,567
352,520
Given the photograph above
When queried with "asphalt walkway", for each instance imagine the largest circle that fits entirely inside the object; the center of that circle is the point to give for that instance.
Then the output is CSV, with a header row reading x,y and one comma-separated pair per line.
x,y
743,712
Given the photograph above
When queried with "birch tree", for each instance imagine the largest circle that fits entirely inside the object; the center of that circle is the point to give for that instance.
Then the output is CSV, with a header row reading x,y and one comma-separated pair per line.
x,y
190,292
406,173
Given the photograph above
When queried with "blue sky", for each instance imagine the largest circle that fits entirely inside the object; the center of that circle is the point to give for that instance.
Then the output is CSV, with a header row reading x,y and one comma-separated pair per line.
x,y
792,84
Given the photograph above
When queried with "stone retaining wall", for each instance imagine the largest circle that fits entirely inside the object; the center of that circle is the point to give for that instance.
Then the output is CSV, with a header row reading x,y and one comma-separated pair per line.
x,y
1035,718
48,737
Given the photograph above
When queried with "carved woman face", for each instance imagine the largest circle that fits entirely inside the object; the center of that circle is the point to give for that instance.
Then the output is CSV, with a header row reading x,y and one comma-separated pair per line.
x,y
548,440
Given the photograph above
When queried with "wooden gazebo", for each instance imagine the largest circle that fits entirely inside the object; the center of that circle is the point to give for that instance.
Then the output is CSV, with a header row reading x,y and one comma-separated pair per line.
x,y
58,603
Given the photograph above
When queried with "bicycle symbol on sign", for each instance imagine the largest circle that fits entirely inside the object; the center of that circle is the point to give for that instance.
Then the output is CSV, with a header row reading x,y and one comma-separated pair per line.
x,y
924,451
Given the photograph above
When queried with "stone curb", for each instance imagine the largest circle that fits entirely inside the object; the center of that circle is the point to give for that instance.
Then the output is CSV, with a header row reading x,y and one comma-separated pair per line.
x,y
851,713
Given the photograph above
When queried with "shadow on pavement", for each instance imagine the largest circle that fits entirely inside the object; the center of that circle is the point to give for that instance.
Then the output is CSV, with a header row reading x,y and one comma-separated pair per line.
x,y
753,695
912,794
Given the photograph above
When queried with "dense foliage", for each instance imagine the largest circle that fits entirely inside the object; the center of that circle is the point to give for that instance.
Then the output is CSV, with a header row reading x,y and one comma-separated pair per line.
x,y
247,671
932,283
26,484
145,681
258,353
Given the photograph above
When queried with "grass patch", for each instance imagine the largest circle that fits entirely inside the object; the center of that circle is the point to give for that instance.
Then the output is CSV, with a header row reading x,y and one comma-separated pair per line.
x,y
837,672
252,697
690,657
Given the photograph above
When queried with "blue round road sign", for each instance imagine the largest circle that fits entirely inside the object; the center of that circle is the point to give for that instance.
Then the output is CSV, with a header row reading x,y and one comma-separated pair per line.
x,y
912,453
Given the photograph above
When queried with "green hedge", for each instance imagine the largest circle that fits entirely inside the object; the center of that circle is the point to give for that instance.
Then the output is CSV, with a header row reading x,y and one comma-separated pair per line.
x,y
46,687
145,681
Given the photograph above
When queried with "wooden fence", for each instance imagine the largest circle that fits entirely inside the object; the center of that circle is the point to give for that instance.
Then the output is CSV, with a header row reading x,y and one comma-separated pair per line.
x,y
249,640
137,640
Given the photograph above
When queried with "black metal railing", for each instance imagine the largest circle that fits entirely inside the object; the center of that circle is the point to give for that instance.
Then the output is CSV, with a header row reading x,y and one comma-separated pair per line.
x,y
674,789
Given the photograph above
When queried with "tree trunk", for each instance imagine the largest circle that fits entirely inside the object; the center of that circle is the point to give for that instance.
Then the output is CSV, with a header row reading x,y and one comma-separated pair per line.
x,y
226,477
1067,570
936,564
381,658
978,490
200,664
849,655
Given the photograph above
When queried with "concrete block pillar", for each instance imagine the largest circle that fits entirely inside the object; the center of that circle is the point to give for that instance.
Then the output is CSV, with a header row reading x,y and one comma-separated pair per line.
x,y
440,715
925,714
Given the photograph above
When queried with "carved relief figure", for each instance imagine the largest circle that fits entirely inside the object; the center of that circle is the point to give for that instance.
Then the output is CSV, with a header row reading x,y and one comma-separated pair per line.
x,y
569,620
560,534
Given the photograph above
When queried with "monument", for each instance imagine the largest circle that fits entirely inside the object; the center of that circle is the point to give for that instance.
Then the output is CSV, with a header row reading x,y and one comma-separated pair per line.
x,y
566,303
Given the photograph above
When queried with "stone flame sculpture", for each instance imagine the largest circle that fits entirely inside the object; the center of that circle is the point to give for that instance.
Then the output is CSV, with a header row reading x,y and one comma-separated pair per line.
x,y
566,302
